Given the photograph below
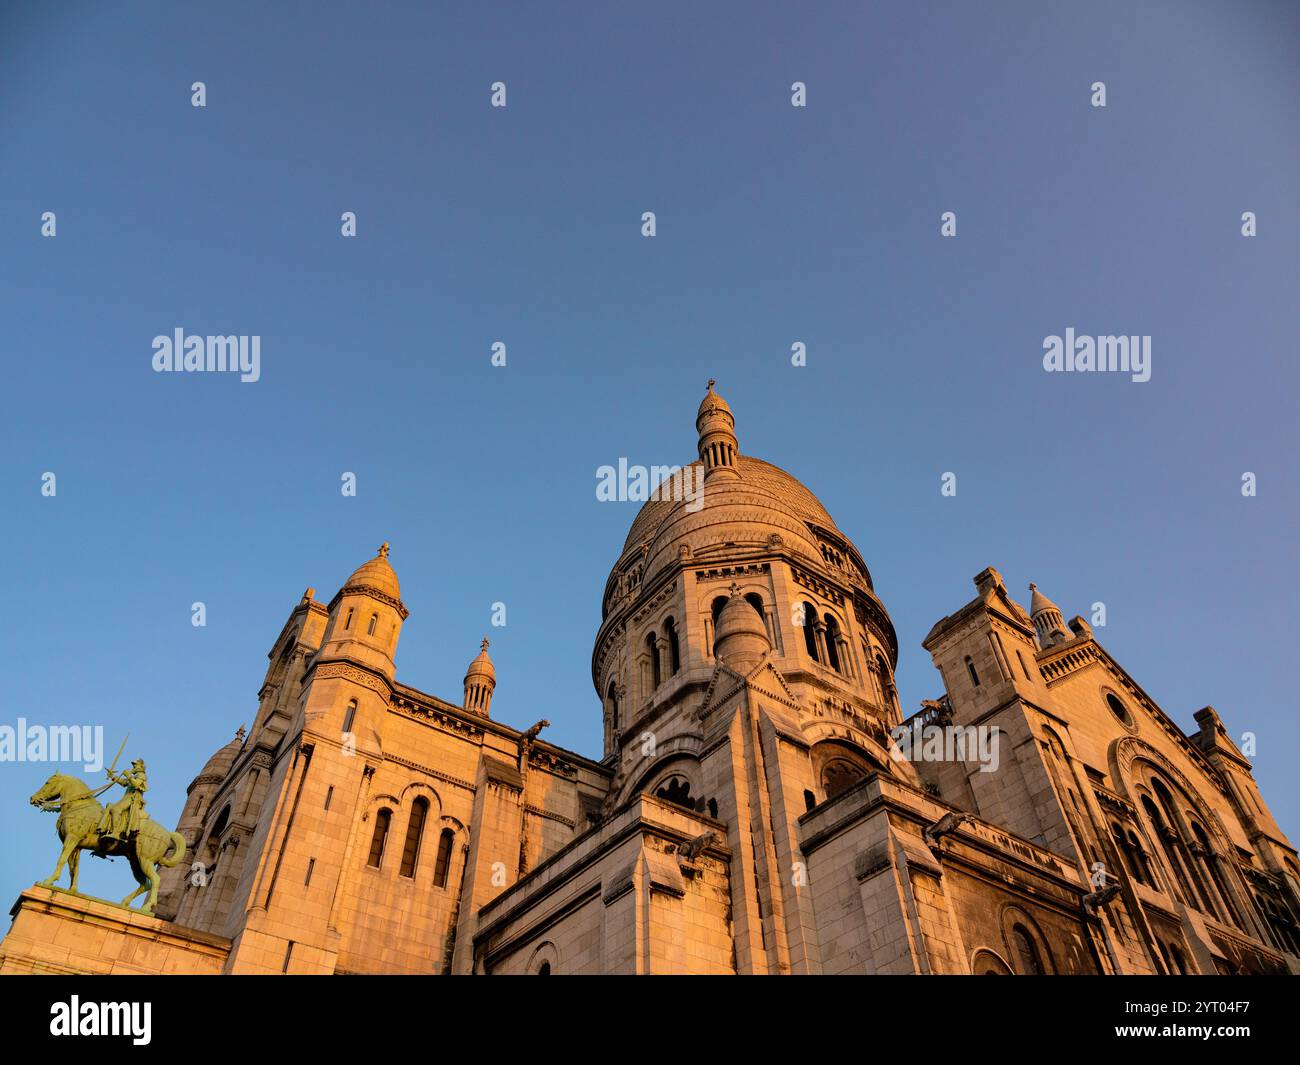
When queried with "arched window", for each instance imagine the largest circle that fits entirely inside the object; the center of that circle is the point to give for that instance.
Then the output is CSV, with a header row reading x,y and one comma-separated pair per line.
x,y
987,963
443,863
374,620
348,623
414,833
611,701
674,648
1028,960
886,681
349,716
652,649
1141,861
1165,836
970,667
717,606
840,774
1023,668
809,617
756,601
1130,860
223,819
377,842
1210,862
832,643
676,790
1181,846
544,969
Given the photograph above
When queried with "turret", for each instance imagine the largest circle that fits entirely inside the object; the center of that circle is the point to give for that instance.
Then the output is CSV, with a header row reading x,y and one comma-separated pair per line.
x,y
740,639
1048,622
480,681
366,617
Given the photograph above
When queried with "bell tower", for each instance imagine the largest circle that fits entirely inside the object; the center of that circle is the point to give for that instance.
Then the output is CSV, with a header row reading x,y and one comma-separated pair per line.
x,y
745,668
294,884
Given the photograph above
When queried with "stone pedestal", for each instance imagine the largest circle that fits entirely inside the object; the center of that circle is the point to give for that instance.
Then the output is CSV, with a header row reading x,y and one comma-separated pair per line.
x,y
57,932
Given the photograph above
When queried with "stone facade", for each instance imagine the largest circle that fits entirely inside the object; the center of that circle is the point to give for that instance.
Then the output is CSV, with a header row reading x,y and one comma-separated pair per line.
x,y
761,804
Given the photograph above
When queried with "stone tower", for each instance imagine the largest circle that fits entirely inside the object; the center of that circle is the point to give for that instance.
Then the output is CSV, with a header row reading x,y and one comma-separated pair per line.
x,y
746,671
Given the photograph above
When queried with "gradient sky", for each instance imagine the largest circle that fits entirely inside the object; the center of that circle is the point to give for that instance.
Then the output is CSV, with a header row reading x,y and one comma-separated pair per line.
x,y
775,224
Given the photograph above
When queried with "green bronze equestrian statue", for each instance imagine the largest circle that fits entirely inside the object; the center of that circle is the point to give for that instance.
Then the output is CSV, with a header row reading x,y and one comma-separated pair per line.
x,y
122,829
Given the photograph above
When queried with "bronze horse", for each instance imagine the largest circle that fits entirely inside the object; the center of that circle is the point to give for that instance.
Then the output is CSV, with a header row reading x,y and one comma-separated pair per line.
x,y
78,827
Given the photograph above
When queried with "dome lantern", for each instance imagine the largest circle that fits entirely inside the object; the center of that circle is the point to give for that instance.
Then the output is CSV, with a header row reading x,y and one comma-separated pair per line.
x,y
480,682
1047,619
716,425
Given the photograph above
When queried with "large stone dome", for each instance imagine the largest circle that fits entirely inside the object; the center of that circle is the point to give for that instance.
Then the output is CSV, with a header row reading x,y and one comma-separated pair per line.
x,y
786,491
708,515
725,501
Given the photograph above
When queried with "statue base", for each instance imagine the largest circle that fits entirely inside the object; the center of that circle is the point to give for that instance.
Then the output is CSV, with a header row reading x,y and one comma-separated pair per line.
x,y
57,932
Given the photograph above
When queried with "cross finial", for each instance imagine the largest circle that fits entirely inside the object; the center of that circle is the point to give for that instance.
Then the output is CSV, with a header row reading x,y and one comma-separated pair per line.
x,y
383,549
240,734
1032,586
734,589
484,645
712,382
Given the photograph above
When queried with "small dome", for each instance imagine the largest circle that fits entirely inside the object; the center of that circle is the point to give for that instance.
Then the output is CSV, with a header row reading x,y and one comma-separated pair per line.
x,y
220,763
740,639
482,664
377,574
711,402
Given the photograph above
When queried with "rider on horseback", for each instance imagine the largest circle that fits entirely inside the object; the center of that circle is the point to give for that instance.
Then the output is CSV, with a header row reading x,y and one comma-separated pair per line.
x,y
122,820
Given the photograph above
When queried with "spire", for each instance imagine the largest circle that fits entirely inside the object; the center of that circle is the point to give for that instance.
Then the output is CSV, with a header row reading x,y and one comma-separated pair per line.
x,y
480,681
718,447
1048,622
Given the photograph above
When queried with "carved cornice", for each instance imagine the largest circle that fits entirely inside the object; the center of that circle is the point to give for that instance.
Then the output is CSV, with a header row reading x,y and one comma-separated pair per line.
x,y
435,718
551,762
537,811
374,593
659,597
727,573
815,584
446,778
1116,803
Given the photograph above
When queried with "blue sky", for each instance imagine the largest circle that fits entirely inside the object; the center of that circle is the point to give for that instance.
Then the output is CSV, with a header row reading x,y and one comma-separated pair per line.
x,y
522,224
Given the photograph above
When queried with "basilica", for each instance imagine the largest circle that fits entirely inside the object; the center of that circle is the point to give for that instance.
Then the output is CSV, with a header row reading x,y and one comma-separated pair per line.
x,y
752,809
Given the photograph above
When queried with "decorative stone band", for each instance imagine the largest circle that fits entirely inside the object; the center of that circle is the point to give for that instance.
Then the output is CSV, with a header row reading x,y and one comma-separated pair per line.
x,y
374,593
552,763
816,584
352,673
